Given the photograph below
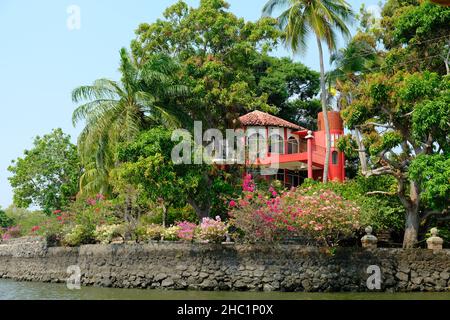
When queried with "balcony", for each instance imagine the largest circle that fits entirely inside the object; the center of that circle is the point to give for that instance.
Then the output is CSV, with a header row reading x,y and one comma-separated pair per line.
x,y
293,152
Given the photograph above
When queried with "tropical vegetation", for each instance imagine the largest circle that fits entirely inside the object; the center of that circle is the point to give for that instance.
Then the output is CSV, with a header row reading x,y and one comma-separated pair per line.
x,y
391,83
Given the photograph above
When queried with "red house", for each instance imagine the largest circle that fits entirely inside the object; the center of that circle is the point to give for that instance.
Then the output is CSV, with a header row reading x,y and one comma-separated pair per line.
x,y
291,153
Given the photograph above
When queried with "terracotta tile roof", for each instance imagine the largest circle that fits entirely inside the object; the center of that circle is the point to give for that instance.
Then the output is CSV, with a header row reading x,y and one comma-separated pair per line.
x,y
259,118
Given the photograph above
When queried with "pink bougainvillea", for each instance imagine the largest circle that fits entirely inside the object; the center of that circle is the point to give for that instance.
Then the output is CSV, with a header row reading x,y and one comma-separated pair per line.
x,y
186,230
248,185
269,216
212,230
12,232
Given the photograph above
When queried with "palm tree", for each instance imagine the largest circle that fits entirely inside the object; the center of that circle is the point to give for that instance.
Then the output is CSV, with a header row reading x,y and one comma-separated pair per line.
x,y
299,19
117,111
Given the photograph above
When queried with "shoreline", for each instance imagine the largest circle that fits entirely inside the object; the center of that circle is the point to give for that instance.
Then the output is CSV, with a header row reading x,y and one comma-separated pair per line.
x,y
231,267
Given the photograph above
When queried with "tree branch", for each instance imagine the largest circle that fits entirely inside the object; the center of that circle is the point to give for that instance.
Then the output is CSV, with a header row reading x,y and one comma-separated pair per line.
x,y
376,125
381,192
378,172
427,214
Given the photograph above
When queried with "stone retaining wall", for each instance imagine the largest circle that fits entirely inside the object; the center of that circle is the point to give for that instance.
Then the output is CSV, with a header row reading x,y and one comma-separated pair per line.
x,y
226,267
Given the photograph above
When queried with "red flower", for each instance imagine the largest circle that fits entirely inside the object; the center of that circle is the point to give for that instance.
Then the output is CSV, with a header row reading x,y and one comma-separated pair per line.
x,y
232,203
57,212
36,228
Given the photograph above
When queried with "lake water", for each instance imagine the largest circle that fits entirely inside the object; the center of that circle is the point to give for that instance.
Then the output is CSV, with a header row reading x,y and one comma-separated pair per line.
x,y
10,290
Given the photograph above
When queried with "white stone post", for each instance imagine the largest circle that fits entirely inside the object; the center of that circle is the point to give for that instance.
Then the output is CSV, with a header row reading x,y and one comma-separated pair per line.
x,y
369,241
434,242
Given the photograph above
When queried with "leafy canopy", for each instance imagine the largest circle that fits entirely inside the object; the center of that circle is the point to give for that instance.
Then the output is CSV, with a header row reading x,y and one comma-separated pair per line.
x,y
47,175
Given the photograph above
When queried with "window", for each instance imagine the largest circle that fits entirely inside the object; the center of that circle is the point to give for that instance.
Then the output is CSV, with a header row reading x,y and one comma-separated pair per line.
x,y
256,145
293,179
292,145
276,144
280,175
335,157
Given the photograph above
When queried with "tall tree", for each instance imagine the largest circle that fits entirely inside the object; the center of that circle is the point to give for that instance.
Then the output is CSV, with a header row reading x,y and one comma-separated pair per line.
x,y
322,18
47,176
405,123
117,111
220,56
401,108
147,166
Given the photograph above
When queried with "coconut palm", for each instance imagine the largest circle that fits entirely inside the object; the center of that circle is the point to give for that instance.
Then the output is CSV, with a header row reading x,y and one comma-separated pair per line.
x,y
117,111
351,62
299,19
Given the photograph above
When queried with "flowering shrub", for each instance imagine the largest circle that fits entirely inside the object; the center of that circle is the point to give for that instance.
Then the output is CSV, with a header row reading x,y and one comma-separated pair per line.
x,y
247,184
154,232
106,233
322,215
171,233
212,230
79,235
186,230
11,233
54,227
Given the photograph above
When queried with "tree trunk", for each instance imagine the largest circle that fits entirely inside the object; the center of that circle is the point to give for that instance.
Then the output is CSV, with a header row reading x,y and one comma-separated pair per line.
x,y
164,215
411,228
325,112
410,238
201,212
361,151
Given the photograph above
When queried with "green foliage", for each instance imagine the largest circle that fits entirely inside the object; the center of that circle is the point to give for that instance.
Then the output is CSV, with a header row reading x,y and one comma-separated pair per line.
x,y
80,234
381,211
5,221
47,176
116,112
217,51
25,219
421,25
106,233
433,174
147,166
307,214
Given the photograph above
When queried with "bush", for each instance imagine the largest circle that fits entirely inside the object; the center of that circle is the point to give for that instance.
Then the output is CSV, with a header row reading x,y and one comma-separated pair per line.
x,y
171,233
212,230
53,228
26,219
11,233
381,211
154,232
5,221
187,230
269,216
79,235
106,233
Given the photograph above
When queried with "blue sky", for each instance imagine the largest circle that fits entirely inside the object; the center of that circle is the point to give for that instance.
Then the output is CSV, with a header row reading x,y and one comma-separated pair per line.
x,y
41,61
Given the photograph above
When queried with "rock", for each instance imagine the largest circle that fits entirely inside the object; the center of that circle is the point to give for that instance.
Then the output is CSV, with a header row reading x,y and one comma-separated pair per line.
x,y
402,276
444,275
167,283
417,280
268,288
240,285
160,276
209,284
258,273
181,267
